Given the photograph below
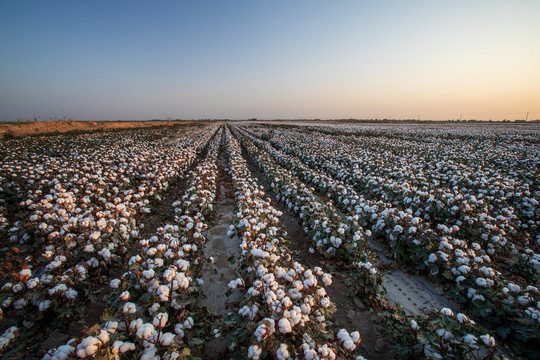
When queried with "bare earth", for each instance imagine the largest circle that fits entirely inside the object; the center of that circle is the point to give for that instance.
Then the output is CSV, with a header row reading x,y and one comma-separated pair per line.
x,y
44,127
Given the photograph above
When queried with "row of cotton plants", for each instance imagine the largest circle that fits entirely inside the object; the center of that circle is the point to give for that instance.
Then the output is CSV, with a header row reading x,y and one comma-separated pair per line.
x,y
77,232
494,239
153,308
330,231
435,345
497,209
283,312
484,289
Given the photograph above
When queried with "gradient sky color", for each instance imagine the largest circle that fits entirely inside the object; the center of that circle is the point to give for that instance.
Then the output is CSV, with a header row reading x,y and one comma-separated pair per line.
x,y
105,60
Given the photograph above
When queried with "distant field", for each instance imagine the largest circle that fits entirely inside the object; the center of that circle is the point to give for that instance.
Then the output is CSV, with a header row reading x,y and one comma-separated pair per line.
x,y
45,127
270,240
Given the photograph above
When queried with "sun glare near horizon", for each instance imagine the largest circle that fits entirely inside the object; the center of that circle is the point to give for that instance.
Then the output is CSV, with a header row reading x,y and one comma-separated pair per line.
x,y
192,60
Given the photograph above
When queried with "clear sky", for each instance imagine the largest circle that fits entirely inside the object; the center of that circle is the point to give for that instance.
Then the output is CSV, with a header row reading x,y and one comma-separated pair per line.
x,y
108,60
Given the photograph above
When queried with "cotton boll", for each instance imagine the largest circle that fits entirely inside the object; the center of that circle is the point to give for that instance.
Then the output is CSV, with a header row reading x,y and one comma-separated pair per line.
x,y
254,352
120,347
104,336
282,353
115,283
160,320
89,346
327,279
488,340
135,324
284,326
166,339
145,331
129,308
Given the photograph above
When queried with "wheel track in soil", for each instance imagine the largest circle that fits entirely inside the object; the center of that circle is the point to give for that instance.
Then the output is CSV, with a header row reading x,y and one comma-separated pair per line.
x,y
220,246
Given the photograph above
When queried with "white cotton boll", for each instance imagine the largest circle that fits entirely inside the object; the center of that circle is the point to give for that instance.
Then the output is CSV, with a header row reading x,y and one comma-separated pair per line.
x,y
89,346
95,235
166,339
150,353
470,340
282,353
145,331
444,334
284,326
355,336
163,292
111,326
462,318
160,320
62,353
179,330
325,302
120,347
115,283
104,336
149,274
414,325
25,273
32,283
432,257
349,345
447,312
254,352
129,308
44,305
135,324
523,300
17,287
124,296
327,279
481,282
488,340
20,304
306,308
70,294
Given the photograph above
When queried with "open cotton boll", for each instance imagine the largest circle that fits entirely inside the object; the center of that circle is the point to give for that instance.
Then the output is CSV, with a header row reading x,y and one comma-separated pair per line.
x,y
120,347
282,353
129,308
145,331
160,320
115,283
284,326
62,353
254,352
89,346
166,339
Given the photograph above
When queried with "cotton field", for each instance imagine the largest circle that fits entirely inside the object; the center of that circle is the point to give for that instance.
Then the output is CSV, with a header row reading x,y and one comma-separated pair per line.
x,y
107,239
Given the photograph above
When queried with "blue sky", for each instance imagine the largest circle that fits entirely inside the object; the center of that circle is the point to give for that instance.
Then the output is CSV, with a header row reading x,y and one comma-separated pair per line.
x,y
110,60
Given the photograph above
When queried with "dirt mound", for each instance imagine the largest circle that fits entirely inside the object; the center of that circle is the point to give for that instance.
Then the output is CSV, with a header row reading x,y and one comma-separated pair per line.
x,y
45,127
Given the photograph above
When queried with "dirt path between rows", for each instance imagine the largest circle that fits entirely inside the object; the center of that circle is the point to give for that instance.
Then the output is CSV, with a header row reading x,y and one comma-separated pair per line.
x,y
351,313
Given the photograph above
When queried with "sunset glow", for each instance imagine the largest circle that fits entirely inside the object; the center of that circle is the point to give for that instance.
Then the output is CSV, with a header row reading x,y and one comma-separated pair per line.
x,y
194,60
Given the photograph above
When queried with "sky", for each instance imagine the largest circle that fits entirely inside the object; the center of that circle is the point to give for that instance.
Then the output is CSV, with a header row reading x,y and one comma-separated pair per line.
x,y
279,59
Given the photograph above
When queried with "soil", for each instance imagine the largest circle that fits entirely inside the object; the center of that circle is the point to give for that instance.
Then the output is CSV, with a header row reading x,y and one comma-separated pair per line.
x,y
61,126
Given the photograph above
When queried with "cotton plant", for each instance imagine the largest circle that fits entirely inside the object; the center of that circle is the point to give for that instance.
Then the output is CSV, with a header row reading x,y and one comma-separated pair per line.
x,y
284,299
146,313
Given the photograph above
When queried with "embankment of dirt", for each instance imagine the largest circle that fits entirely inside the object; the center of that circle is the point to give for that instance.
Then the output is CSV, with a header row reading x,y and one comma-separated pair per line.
x,y
61,126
